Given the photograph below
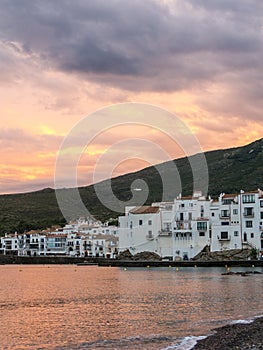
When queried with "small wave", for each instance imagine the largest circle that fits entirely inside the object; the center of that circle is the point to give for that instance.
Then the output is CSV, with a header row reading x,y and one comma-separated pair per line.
x,y
246,320
242,321
186,343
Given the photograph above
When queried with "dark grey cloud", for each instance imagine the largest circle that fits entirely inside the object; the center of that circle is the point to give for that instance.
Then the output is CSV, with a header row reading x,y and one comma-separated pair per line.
x,y
139,45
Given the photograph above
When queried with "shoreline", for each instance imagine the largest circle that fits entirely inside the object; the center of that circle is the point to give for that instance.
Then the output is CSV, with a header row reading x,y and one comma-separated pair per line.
x,y
59,260
236,336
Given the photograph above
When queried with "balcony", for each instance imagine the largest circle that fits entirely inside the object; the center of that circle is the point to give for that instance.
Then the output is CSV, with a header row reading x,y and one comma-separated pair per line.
x,y
149,237
165,232
183,226
182,231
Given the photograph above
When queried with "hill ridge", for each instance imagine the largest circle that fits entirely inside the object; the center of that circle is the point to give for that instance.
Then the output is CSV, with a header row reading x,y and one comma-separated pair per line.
x,y
230,170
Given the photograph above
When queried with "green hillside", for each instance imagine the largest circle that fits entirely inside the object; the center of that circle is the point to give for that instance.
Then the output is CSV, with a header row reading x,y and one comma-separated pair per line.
x,y
229,170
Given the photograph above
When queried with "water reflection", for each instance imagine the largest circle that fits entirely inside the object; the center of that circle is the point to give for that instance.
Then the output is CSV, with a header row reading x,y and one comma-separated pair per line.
x,y
67,306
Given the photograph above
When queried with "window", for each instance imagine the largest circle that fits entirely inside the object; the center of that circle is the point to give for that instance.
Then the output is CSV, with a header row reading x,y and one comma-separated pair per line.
x,y
202,225
248,211
225,223
181,216
261,215
235,211
227,201
261,204
248,198
224,235
202,211
225,213
236,233
249,223
140,222
201,234
251,235
189,216
150,234
149,222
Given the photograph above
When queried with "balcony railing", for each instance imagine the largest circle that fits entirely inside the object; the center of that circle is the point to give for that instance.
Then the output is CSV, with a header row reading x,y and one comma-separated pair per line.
x,y
149,237
165,233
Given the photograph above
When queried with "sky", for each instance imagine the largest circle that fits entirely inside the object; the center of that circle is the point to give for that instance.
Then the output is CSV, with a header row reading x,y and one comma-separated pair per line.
x,y
62,61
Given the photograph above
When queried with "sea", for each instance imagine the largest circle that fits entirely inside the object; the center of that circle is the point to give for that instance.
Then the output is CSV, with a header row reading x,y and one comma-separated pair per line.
x,y
63,307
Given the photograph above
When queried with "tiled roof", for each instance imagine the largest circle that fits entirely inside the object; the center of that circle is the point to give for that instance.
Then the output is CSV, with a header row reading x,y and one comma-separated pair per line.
x,y
248,192
145,210
56,235
230,195
187,197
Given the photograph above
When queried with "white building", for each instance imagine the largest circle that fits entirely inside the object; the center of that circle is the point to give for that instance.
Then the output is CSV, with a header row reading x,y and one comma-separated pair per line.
x,y
237,221
87,245
225,223
9,244
56,244
251,212
190,226
182,229
146,228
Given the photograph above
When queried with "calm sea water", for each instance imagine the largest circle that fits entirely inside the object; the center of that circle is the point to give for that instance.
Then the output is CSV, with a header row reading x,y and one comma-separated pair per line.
x,y
89,307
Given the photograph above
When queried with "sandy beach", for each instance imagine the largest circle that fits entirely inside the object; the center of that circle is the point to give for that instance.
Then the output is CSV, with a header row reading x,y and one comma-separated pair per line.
x,y
239,336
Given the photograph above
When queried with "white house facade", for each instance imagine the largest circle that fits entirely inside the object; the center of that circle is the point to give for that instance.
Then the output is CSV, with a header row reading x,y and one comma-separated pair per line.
x,y
190,226
182,229
146,228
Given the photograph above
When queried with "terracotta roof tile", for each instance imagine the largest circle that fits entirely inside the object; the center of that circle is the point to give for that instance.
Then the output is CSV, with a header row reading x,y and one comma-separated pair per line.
x,y
145,210
229,195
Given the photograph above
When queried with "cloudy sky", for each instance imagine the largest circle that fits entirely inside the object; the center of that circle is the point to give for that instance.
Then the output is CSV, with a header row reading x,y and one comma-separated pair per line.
x,y
60,61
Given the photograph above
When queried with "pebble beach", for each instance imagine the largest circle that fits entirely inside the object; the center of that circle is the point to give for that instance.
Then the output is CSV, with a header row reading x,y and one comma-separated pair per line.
x,y
239,336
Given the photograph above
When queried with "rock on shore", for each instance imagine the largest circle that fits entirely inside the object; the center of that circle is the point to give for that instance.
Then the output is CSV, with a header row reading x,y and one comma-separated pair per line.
x,y
240,336
226,255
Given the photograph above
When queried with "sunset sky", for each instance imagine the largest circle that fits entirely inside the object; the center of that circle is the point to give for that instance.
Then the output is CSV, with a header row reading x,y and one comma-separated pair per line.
x,y
61,61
